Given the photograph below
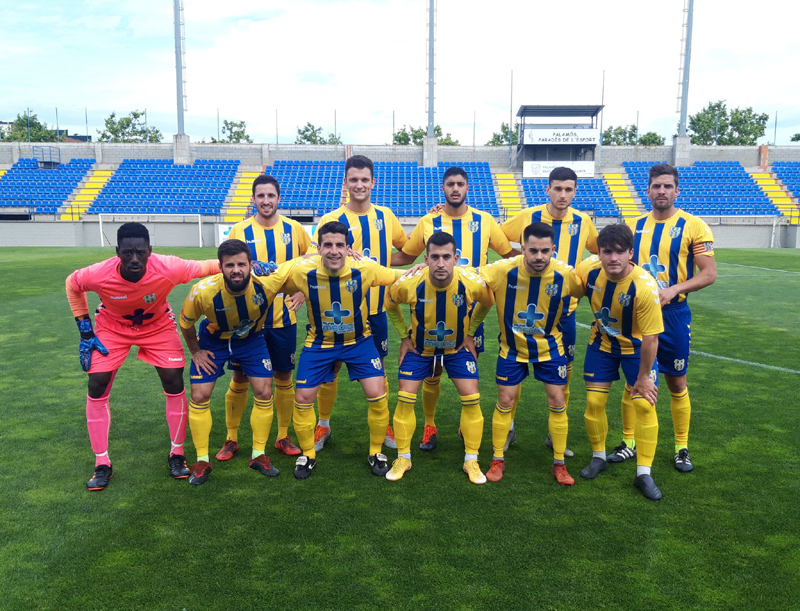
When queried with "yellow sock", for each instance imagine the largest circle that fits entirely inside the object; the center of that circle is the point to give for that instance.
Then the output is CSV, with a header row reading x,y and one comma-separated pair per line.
x,y
405,421
200,426
235,404
566,388
472,422
430,397
304,427
261,422
558,424
325,399
284,404
681,408
501,423
646,431
595,417
378,420
628,415
513,410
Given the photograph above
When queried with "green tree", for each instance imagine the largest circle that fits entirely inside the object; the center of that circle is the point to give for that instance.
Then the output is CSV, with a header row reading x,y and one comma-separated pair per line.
x,y
129,129
39,131
233,131
619,136
311,134
796,138
333,139
739,127
651,139
416,136
502,138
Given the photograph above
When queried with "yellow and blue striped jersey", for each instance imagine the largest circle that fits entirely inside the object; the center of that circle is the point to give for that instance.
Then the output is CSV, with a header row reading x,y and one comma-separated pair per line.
x,y
667,249
372,234
440,318
574,234
232,316
475,233
529,307
336,304
623,311
282,242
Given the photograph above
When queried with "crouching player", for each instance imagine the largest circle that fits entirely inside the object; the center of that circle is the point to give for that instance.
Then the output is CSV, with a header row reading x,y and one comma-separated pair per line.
x,y
235,305
625,302
440,337
529,290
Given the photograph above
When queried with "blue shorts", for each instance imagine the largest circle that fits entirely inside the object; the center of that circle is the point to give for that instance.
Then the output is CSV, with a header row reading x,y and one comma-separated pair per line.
x,y
511,372
674,343
459,366
282,345
249,356
569,333
379,326
604,367
478,338
316,364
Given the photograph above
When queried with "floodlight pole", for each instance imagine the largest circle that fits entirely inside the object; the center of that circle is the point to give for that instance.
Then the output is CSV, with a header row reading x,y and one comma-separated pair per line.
x,y
430,66
687,57
178,63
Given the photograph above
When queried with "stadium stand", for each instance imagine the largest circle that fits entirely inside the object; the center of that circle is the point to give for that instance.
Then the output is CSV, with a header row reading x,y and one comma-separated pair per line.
x,y
788,173
35,190
592,196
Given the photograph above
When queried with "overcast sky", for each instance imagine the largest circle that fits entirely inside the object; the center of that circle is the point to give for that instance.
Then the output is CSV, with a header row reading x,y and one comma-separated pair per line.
x,y
362,61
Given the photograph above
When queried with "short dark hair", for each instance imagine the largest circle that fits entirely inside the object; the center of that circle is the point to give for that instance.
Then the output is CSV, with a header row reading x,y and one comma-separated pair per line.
x,y
441,238
331,227
133,230
562,173
266,179
230,248
454,171
618,236
539,230
662,169
359,162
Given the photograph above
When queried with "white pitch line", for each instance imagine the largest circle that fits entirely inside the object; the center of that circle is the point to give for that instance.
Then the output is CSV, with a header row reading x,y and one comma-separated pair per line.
x,y
726,358
766,269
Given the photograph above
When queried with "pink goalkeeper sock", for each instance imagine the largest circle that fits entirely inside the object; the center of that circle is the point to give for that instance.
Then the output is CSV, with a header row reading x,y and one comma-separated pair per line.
x,y
177,412
98,421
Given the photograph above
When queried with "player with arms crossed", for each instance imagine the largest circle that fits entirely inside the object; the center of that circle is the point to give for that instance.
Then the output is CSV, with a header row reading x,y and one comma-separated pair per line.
x,y
669,243
574,233
475,232
530,291
272,238
235,305
371,231
624,301
133,289
440,337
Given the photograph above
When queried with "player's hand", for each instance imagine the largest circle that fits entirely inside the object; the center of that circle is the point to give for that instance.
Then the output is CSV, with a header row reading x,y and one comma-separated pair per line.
x,y
406,346
354,254
293,302
88,344
261,268
204,361
436,208
469,344
667,295
646,388
414,269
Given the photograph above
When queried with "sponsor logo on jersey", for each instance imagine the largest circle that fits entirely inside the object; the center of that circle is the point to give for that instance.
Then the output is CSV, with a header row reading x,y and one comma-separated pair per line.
x,y
517,287
337,314
254,241
258,299
351,286
624,300
174,360
573,229
223,309
318,287
679,364
151,298
462,260
472,367
458,300
501,378
605,320
642,231
406,373
243,327
530,317
117,296
426,300
439,337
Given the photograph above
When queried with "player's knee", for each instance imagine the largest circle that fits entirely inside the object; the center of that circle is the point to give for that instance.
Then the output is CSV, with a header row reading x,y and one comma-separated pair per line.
x,y
239,377
283,376
200,394
98,384
676,384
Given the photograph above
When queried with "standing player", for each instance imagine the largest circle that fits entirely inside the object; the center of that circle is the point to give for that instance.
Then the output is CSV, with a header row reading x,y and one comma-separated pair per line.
x,y
335,290
669,243
530,291
574,233
275,239
624,300
133,289
475,233
372,231
440,337
234,306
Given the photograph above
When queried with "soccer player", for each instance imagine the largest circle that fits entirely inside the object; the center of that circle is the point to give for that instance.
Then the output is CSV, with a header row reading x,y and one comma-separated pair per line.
x,y
335,290
133,289
574,233
275,239
372,231
440,337
669,243
235,306
475,233
625,303
530,291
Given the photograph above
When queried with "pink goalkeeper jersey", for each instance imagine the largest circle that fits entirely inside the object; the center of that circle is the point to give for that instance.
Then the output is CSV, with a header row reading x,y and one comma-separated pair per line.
x,y
134,304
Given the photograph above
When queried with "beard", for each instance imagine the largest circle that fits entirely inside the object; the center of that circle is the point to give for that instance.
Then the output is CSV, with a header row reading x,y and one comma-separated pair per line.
x,y
237,286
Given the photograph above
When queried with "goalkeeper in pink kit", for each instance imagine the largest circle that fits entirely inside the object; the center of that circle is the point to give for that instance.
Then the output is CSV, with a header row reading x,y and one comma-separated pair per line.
x,y
133,288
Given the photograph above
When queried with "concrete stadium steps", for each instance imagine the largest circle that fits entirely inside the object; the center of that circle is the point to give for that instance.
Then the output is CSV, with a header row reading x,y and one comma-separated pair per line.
x,y
508,191
239,197
84,194
778,195
624,195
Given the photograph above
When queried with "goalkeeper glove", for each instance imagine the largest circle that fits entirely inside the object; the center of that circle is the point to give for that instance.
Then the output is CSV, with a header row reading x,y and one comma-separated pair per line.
x,y
261,268
89,343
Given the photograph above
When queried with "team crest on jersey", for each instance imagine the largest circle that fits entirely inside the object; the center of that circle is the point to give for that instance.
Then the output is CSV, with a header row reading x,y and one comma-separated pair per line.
x,y
573,229
151,298
267,364
675,232
376,363
562,371
551,290
624,300
472,367
378,224
351,286
478,341
474,226
286,238
679,364
258,299
458,300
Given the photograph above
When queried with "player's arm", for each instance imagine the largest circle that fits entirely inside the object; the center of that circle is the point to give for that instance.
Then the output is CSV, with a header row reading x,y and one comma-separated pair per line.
x,y
644,385
191,311
412,248
76,295
399,237
401,258
484,303
395,316
706,274
591,238
499,243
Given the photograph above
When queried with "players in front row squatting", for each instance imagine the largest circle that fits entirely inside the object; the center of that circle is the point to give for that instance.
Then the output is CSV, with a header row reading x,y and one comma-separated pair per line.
x,y
133,288
441,334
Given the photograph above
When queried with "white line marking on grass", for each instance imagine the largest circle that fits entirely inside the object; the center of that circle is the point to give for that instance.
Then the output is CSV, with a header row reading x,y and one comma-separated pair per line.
x,y
749,276
767,269
726,358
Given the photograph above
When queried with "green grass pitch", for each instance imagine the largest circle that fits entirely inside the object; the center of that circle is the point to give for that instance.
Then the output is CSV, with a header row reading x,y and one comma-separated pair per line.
x,y
723,537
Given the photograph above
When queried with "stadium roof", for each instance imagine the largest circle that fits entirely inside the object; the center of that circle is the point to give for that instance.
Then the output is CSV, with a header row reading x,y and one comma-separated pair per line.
x,y
559,111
